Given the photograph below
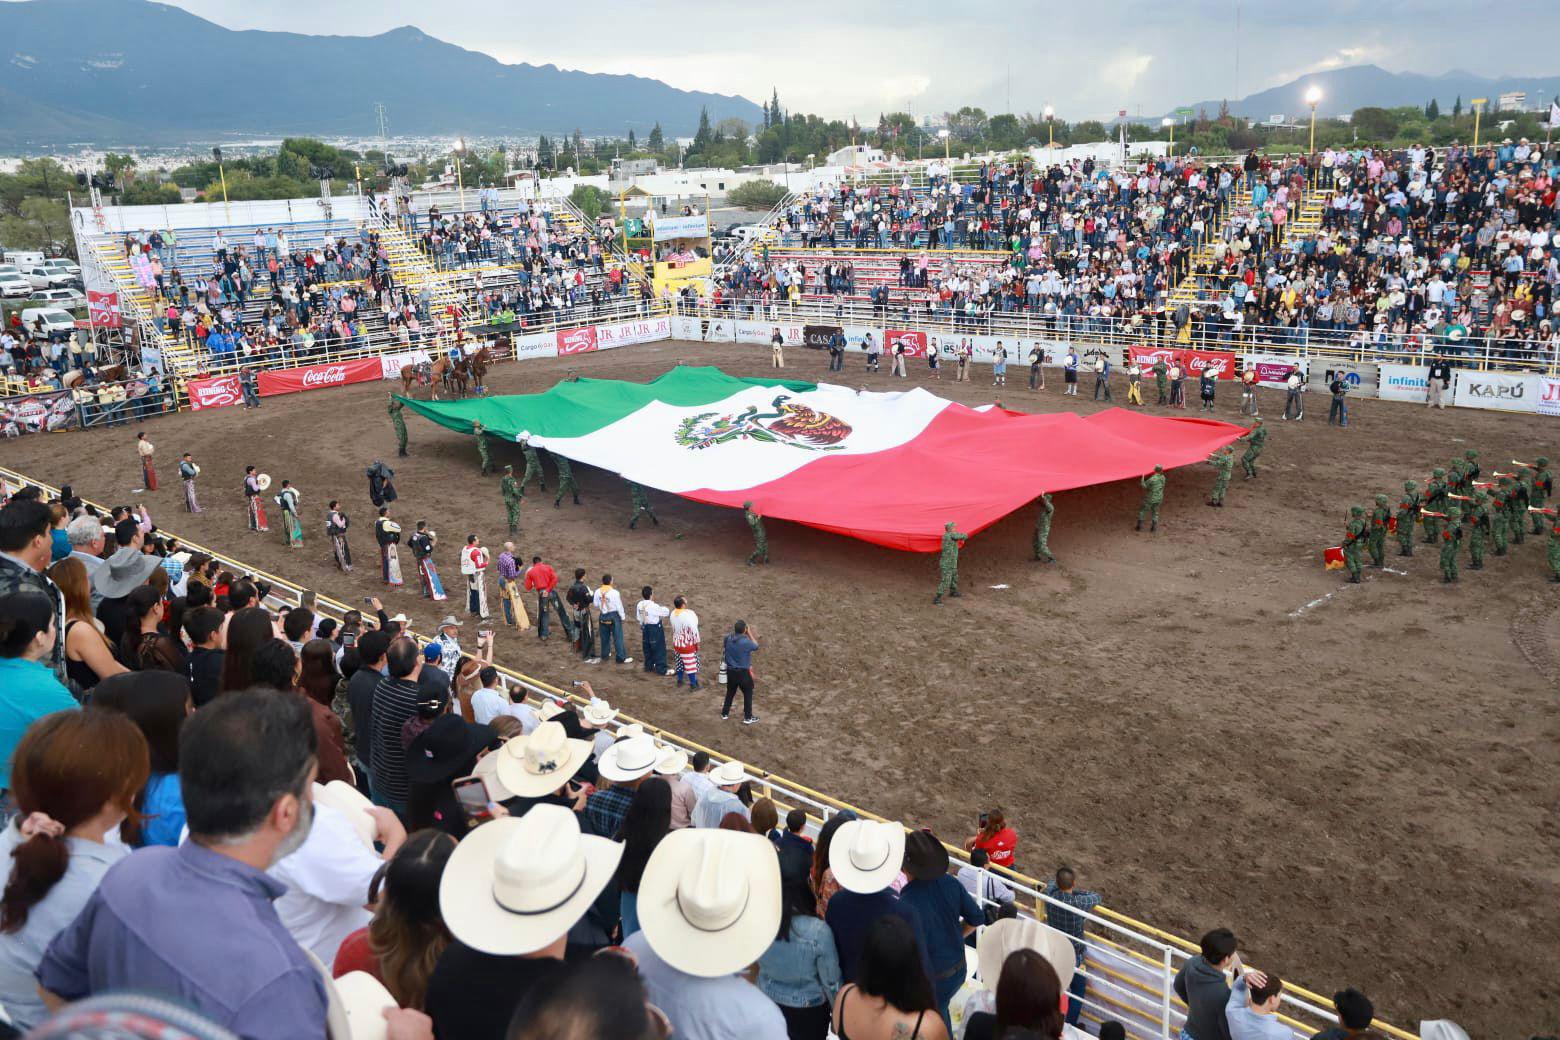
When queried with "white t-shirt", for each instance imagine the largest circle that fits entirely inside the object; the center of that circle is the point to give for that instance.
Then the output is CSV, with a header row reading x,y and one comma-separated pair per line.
x,y
327,882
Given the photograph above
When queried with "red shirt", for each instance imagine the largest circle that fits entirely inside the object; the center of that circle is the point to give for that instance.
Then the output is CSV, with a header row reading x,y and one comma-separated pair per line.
x,y
1000,846
356,955
541,578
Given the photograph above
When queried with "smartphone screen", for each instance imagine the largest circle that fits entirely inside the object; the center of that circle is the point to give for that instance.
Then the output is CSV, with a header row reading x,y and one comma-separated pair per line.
x,y
472,795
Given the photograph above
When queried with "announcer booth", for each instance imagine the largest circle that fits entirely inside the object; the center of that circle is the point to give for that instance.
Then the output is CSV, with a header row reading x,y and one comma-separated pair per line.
x,y
672,239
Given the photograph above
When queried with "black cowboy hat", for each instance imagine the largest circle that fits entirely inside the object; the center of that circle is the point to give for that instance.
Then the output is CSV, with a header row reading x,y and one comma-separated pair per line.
x,y
446,749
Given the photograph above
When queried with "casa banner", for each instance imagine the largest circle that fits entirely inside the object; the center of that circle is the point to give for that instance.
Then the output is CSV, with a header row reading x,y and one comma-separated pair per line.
x,y
38,413
818,336
103,309
316,377
1219,362
216,392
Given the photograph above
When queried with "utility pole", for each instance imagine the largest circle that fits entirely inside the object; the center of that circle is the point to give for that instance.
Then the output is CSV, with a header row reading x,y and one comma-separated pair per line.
x,y
379,111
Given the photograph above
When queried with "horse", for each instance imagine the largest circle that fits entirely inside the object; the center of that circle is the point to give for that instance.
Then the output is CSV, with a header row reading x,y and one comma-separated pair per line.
x,y
420,373
439,372
477,366
113,373
457,378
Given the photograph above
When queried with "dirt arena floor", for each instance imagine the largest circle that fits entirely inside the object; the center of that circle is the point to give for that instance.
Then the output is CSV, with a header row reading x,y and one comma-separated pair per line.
x,y
1363,781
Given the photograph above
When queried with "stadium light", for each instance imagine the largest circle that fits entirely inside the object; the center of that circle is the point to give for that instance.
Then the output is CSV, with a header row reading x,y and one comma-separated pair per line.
x,y
1050,124
943,133
216,153
1313,97
460,153
1477,105
1169,124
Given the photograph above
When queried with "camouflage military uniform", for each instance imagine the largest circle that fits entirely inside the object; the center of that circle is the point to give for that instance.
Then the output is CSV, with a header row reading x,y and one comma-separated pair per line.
x,y
1353,534
484,450
1256,440
760,540
1451,541
1043,530
1543,487
1478,529
566,484
1153,497
1161,383
1408,510
1500,517
641,503
1223,462
399,422
1435,502
1376,541
948,563
533,468
510,489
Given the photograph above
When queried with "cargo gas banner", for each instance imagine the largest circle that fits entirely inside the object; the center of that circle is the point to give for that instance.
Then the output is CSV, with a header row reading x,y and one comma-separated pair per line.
x,y
1273,369
576,341
534,345
1501,391
763,332
214,392
103,309
1403,383
317,377
1220,362
912,340
1549,395
1362,379
38,413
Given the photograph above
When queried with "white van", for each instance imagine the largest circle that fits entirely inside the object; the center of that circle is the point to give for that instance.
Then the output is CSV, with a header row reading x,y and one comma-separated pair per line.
x,y
23,258
53,320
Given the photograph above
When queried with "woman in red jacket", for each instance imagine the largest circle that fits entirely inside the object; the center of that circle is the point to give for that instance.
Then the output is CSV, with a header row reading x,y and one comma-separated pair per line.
x,y
999,841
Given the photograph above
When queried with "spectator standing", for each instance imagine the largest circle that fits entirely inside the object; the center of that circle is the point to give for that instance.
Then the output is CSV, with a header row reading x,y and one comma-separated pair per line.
x,y
891,994
649,819
25,550
800,971
276,667
85,534
371,647
738,658
624,766
395,701
947,913
203,666
88,657
986,888
146,644
670,767
75,779
1028,997
246,762
713,806
28,689
1355,1014
1202,987
1252,1010
157,702
864,859
1071,923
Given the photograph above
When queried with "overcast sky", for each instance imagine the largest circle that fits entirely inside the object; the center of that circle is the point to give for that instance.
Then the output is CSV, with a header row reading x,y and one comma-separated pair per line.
x,y
1088,59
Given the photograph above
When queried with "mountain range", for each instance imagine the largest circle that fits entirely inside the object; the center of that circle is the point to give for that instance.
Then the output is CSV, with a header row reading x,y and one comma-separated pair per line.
x,y
1359,86
133,72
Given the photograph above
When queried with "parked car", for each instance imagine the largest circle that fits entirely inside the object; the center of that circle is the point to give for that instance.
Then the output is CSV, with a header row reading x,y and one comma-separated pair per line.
x,y
63,266
70,299
746,232
43,322
48,278
13,282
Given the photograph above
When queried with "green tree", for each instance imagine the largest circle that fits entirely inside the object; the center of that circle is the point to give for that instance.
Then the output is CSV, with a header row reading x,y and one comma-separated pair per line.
x,y
1005,131
632,145
545,157
967,124
1433,110
1457,107
1376,124
703,135
41,223
657,140
756,195
591,201
145,192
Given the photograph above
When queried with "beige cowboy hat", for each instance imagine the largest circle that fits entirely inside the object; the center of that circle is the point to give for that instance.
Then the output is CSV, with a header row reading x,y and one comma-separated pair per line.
x,y
263,481
451,621
672,762
866,855
349,801
126,569
551,710
486,770
538,763
633,729
598,713
358,1010
628,759
729,774
401,619
709,900
997,941
514,886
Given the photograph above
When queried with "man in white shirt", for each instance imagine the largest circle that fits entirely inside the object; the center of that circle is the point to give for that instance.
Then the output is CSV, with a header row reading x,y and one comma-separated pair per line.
x,y
650,615
609,616
492,700
714,806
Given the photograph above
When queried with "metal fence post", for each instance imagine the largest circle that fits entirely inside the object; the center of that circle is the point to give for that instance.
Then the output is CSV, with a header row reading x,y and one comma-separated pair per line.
x,y
1168,982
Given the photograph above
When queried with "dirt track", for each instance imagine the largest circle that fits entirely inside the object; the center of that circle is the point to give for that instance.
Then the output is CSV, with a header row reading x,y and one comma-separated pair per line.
x,y
1361,780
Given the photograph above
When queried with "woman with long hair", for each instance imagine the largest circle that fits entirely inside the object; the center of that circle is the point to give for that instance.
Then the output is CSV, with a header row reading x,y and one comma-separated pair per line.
x,y
648,820
247,631
892,998
88,656
823,882
275,665
74,777
403,942
1029,996
27,634
146,646
996,838
319,676
157,702
800,971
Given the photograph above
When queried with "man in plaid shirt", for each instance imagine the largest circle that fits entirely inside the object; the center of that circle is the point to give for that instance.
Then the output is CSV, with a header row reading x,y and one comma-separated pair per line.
x,y
1064,890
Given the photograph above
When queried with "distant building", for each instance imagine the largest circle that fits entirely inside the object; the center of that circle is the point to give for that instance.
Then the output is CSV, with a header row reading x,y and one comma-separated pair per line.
x,y
1511,101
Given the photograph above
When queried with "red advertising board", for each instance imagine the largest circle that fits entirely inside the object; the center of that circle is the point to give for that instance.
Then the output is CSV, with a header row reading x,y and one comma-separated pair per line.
x,y
914,341
316,377
103,309
215,392
576,341
1222,363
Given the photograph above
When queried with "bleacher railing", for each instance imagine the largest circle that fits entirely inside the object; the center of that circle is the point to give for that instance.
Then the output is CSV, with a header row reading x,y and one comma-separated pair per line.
x,y
1129,965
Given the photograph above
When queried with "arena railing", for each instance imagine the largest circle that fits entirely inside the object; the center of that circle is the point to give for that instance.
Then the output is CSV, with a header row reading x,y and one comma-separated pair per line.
x,y
1129,965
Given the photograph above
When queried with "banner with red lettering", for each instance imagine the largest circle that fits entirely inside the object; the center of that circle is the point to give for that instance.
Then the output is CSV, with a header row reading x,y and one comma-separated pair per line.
x,y
315,377
103,309
214,392
1220,362
914,341
576,341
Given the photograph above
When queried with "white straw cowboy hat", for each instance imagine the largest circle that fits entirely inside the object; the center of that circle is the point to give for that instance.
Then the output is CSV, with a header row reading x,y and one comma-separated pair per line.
x,y
513,886
540,762
866,855
263,482
729,774
997,941
672,762
126,569
362,1000
709,900
628,759
451,621
633,729
349,801
598,713
551,710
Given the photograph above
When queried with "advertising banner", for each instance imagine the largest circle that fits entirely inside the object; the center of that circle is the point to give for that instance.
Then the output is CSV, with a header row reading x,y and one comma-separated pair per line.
x,y
1273,369
1403,383
1220,362
1549,395
317,377
1502,391
754,331
576,341
856,337
720,330
103,309
1362,379
687,328
534,345
38,413
913,341
664,228
214,392
391,364
818,336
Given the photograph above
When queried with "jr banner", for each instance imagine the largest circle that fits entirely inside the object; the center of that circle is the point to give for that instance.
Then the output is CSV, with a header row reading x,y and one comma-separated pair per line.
x,y
1502,391
316,377
38,413
1221,363
103,309
1273,369
1404,383
214,392
1549,395
391,364
625,333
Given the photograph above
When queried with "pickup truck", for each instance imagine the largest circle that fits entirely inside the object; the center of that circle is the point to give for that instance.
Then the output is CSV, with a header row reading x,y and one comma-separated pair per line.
x,y
42,277
13,282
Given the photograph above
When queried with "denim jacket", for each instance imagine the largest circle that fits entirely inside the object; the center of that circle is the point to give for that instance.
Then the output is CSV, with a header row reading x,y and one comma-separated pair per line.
x,y
803,970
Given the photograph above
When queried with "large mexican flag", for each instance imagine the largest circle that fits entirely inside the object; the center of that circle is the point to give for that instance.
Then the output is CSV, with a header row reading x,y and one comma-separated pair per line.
x,y
886,467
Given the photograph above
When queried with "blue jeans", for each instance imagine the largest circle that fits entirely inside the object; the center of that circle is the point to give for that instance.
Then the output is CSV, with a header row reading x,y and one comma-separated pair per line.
x,y
654,638
1075,991
612,625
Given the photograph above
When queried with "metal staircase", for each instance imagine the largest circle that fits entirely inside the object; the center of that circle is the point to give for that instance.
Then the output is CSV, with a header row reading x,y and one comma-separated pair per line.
x,y
138,305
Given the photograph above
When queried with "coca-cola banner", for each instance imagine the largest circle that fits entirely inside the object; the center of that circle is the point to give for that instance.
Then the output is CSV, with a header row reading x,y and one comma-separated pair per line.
x,y
1220,362
315,377
576,341
214,392
37,413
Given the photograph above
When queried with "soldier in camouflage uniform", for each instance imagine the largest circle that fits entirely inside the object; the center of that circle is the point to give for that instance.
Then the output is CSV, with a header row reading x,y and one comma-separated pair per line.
x,y
755,524
641,503
1543,487
1161,383
484,449
566,484
1516,504
1223,463
1478,529
1553,552
1376,541
1043,530
948,563
1471,468
1408,510
1451,541
1153,496
1256,440
510,489
1354,532
1500,516
1435,502
533,467
399,422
